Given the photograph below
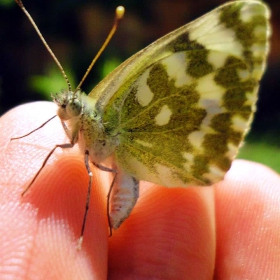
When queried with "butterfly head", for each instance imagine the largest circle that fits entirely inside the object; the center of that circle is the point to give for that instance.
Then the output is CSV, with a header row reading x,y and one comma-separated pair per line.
x,y
69,103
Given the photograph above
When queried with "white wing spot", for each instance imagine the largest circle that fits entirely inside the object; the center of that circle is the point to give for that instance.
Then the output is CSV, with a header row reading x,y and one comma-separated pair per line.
x,y
260,31
144,95
143,143
196,138
232,151
174,65
167,176
215,174
213,108
204,26
244,75
251,97
189,160
217,59
248,11
216,36
258,50
239,124
209,89
163,117
188,156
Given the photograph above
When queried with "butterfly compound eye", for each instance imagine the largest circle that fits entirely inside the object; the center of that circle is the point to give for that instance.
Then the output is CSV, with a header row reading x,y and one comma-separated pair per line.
x,y
73,107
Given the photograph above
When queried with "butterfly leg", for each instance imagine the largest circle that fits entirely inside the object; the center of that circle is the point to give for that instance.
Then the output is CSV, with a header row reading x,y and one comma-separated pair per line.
x,y
88,198
42,125
62,146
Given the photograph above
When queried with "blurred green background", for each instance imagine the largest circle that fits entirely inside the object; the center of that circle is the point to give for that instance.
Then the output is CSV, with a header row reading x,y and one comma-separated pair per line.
x,y
75,30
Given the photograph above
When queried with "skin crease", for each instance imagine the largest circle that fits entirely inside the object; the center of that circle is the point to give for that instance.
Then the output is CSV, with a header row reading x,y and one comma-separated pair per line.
x,y
227,231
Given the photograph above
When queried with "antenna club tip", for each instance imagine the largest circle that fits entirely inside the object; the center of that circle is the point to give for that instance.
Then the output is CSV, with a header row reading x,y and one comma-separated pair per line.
x,y
120,12
19,3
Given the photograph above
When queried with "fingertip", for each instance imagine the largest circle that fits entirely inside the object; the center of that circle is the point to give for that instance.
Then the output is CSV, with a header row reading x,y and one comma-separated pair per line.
x,y
57,197
60,197
248,222
176,222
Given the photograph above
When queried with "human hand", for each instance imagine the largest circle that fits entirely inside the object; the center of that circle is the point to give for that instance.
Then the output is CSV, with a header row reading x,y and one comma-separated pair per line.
x,y
230,230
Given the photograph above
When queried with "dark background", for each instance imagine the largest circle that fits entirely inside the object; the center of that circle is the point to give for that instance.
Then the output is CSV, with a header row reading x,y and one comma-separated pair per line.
x,y
75,30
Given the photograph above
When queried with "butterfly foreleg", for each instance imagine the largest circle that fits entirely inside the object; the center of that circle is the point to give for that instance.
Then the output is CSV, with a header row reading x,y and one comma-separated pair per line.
x,y
42,125
62,146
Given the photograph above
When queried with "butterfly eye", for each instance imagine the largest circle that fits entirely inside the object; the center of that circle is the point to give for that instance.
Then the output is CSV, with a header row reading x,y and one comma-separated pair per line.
x,y
73,107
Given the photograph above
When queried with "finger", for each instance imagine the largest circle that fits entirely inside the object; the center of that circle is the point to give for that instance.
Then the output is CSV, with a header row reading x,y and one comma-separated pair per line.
x,y
169,235
40,231
248,223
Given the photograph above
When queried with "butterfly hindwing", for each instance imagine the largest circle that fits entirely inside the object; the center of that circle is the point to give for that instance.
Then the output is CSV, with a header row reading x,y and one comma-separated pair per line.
x,y
182,106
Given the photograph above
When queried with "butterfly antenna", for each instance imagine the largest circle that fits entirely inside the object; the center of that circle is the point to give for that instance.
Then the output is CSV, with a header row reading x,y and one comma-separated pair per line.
x,y
19,2
118,16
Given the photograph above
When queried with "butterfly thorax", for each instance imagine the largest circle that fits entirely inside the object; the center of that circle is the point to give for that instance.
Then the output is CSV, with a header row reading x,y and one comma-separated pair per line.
x,y
83,124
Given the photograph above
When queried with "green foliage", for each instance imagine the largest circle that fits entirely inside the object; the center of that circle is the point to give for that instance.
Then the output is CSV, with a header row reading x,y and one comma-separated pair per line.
x,y
52,82
263,152
109,65
7,3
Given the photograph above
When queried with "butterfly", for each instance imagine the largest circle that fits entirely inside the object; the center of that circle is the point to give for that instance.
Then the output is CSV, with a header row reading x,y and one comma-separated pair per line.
x,y
176,112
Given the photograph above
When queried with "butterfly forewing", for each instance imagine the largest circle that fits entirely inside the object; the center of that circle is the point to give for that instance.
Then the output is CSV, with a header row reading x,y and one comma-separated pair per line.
x,y
182,106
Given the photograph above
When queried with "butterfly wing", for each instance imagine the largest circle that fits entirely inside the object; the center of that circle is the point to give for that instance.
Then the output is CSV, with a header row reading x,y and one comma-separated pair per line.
x,y
182,106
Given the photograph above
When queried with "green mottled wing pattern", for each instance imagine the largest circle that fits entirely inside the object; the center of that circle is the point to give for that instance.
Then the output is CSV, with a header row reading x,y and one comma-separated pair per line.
x,y
182,106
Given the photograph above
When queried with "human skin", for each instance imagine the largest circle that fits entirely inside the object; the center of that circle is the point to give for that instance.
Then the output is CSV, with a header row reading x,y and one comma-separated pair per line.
x,y
227,231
